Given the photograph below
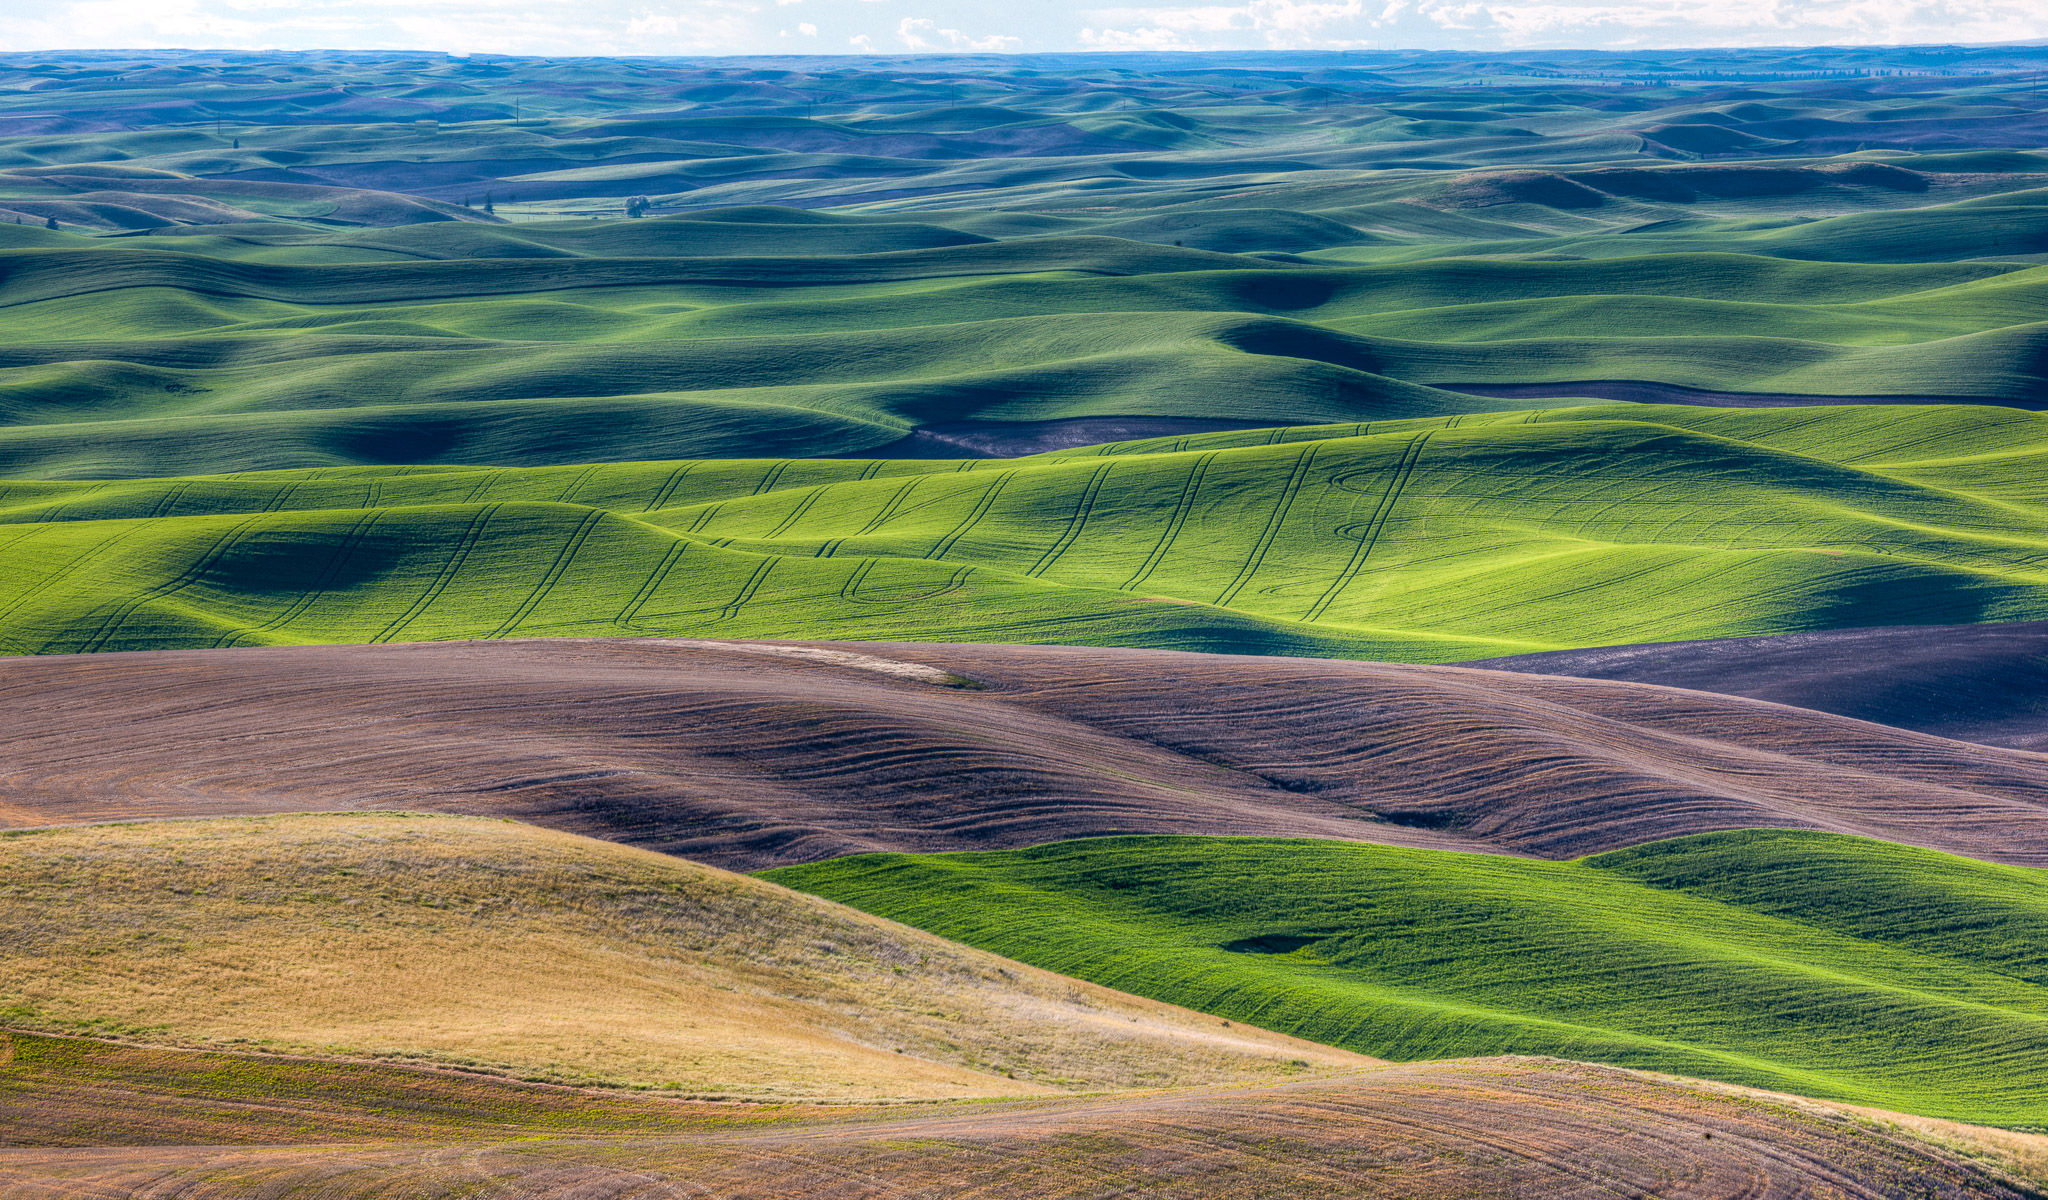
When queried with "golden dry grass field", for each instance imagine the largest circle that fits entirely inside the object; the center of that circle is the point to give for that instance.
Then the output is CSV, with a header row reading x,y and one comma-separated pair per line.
x,y
501,947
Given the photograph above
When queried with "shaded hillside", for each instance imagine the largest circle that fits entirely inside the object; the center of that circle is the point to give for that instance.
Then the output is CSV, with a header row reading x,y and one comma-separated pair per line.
x,y
749,755
222,262
1980,683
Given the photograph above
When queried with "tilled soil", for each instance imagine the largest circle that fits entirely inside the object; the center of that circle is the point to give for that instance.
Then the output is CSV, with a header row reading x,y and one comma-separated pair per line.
x,y
1978,683
1488,1127
749,755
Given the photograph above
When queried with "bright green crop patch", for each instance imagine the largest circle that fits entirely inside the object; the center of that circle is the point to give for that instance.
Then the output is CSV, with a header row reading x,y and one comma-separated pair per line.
x,y
1814,963
1436,539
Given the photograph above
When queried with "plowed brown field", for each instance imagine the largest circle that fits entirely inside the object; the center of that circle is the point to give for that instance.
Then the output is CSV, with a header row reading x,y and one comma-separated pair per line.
x,y
1978,683
1499,1127
748,755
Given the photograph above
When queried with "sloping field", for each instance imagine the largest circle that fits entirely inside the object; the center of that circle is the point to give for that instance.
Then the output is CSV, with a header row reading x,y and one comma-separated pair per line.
x,y
1434,540
1980,683
235,263
1526,1128
494,945
751,755
156,356
1828,966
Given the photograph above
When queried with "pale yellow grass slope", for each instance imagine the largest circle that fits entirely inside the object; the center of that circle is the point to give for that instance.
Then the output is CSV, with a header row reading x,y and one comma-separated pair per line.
x,y
494,945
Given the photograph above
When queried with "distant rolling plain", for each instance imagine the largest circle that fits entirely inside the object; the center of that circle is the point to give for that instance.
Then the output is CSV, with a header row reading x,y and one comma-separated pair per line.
x,y
455,513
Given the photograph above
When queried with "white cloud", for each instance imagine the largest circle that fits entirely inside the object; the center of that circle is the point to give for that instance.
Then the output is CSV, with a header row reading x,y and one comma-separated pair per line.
x,y
1517,24
752,26
923,33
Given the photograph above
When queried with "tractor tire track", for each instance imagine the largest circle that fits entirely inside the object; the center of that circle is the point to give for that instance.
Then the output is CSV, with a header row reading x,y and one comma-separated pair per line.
x,y
307,598
668,486
1182,507
463,545
746,593
1082,511
553,576
191,574
1370,535
980,510
655,579
1257,557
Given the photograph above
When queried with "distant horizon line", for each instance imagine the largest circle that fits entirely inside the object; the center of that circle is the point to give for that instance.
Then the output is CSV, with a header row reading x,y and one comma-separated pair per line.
x,y
996,55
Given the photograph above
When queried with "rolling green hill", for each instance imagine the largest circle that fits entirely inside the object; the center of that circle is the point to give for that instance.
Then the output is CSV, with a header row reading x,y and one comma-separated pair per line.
x,y
272,264
1813,963
1434,540
169,355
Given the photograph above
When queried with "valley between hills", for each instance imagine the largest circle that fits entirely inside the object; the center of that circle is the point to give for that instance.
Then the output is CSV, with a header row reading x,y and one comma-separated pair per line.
x,y
1195,625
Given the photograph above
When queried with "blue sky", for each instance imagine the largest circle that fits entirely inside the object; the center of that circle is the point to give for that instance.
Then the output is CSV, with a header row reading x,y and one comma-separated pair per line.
x,y
897,26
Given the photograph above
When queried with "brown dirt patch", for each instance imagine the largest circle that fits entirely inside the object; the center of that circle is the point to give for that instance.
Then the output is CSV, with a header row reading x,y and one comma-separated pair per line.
x,y
748,760
1498,1127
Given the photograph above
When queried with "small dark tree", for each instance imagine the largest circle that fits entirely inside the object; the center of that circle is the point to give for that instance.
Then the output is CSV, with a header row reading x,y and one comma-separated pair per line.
x,y
238,143
50,224
636,206
488,206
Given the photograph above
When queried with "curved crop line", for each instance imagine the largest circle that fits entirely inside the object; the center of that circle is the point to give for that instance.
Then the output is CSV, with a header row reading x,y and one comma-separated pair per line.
x,y
889,509
851,592
1082,511
704,517
577,486
554,573
67,570
55,506
283,494
335,562
796,514
668,486
767,483
1181,508
168,502
871,470
852,584
184,579
463,545
653,584
1257,557
485,481
980,510
1370,535
732,608
27,530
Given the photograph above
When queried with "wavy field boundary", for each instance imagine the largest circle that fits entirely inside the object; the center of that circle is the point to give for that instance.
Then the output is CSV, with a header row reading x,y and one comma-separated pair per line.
x,y
1487,535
